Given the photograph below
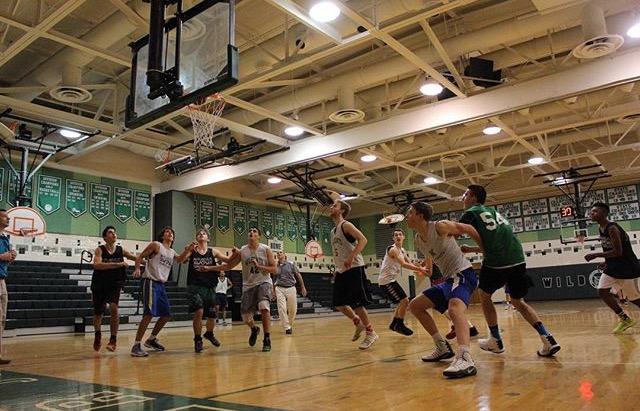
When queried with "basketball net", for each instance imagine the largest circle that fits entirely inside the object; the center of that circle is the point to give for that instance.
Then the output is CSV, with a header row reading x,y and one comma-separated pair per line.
x,y
203,118
581,239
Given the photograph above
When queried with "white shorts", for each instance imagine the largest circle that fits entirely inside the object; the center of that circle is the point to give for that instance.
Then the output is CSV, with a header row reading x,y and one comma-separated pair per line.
x,y
628,287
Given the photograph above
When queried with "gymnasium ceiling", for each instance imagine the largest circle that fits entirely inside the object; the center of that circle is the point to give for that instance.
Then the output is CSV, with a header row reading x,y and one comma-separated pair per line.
x,y
550,104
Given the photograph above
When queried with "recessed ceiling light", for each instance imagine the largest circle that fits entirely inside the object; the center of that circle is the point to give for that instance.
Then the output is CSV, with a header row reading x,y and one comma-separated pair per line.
x,y
274,180
491,130
293,131
431,88
431,180
536,161
69,133
367,158
324,12
634,31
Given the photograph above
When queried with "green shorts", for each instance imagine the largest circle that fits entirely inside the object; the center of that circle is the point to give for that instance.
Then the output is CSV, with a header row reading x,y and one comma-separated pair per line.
x,y
202,297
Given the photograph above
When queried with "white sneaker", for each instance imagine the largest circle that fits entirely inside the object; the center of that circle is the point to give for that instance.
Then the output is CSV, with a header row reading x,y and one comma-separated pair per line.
x,y
549,346
462,366
369,339
491,344
358,332
442,351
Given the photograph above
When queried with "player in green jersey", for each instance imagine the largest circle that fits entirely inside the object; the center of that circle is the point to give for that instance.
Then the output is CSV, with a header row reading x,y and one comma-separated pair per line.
x,y
503,264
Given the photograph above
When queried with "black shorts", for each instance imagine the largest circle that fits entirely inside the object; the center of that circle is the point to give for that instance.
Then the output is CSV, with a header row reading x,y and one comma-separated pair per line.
x,y
221,300
394,291
515,278
103,294
350,288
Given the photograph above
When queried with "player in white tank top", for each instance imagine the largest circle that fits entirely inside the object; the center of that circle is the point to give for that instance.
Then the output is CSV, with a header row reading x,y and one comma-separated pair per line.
x,y
438,240
394,260
349,287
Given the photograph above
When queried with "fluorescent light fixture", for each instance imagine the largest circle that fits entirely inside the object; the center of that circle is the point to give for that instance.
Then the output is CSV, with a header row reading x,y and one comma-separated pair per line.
x,y
367,158
431,180
431,88
346,197
274,180
69,133
634,31
536,161
293,131
324,12
491,130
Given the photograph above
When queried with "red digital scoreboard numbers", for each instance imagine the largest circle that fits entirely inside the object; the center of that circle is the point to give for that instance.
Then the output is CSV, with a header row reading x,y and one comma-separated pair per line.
x,y
567,211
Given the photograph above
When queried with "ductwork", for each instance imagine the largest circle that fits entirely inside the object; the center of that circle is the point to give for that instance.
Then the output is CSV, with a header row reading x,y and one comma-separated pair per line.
x,y
597,42
347,111
70,91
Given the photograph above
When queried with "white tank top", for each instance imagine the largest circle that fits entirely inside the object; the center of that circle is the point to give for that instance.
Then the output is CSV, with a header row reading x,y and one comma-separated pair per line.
x,y
159,265
251,275
390,268
223,285
445,251
342,247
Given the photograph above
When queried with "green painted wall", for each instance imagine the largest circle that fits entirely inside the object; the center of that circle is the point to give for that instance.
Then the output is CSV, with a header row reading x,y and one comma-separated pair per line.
x,y
49,188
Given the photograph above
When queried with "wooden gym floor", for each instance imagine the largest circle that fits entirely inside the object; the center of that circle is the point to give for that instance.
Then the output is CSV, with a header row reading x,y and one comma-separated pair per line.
x,y
319,368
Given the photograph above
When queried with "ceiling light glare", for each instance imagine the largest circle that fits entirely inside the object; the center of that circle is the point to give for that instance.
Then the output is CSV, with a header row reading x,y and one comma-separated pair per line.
x,y
70,133
324,12
491,130
274,180
536,161
431,180
293,131
368,158
431,88
634,31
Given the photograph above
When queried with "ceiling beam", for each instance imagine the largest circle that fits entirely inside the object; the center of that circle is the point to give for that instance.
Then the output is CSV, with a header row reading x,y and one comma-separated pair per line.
x,y
303,17
433,38
131,15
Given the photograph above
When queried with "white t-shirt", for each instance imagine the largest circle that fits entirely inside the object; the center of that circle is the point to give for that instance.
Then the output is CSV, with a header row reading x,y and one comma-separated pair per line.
x,y
159,265
390,268
251,275
223,285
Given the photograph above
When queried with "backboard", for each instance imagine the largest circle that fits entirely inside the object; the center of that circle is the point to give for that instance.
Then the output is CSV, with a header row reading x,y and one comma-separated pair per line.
x,y
208,60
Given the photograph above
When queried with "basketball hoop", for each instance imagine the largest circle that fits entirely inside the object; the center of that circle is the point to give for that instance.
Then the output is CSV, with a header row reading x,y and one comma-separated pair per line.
x,y
204,117
580,239
28,232
313,249
391,219
162,156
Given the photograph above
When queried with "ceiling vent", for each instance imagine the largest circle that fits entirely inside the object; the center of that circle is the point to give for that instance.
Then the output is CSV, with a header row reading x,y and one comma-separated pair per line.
x,y
597,42
629,118
72,92
490,175
346,113
452,158
358,178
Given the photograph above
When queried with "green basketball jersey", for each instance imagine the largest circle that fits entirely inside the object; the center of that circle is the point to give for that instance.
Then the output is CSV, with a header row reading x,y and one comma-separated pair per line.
x,y
501,247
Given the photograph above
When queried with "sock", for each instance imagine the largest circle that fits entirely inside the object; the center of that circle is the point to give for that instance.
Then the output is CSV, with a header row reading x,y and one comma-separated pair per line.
x,y
137,342
112,338
356,320
495,331
396,320
208,333
540,328
267,336
197,338
152,337
437,339
463,349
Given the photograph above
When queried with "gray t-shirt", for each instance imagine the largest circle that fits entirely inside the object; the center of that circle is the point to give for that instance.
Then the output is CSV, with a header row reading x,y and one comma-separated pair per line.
x,y
159,265
251,275
287,274
445,251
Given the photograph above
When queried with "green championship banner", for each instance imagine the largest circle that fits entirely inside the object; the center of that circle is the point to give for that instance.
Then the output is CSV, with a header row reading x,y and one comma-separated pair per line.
x,y
142,207
279,226
12,192
292,230
122,204
223,218
252,218
100,200
239,219
206,214
267,223
302,226
75,199
49,193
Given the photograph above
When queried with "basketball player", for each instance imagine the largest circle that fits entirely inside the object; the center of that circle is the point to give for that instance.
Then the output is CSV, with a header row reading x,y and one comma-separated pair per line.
x,y
257,286
620,269
350,292
285,291
159,258
107,282
201,287
503,264
7,256
394,260
222,287
437,239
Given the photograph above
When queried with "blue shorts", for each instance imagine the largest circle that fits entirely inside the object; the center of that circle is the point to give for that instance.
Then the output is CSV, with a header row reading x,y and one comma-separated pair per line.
x,y
460,287
155,299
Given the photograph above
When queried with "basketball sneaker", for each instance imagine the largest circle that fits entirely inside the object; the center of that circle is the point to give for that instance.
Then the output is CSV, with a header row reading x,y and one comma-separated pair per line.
x,y
289,331
211,338
266,344
623,325
254,335
97,341
399,326
153,343
197,344
358,332
112,344
549,346
473,331
369,338
462,366
491,344
137,351
5,361
442,351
